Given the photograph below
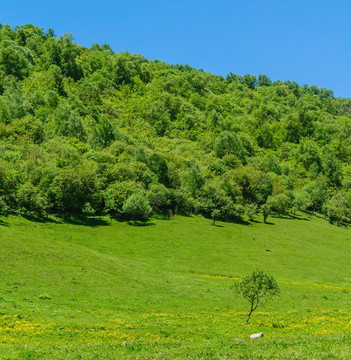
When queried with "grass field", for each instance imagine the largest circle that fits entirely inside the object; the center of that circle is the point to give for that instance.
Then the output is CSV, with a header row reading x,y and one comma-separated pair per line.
x,y
99,289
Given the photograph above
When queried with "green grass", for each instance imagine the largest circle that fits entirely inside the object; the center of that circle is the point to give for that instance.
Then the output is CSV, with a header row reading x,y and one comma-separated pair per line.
x,y
100,289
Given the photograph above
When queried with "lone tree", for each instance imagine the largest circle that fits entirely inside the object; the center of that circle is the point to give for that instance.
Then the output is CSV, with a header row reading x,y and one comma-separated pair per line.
x,y
255,287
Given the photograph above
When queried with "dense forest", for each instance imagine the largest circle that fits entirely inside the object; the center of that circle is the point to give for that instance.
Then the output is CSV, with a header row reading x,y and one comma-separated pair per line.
x,y
89,131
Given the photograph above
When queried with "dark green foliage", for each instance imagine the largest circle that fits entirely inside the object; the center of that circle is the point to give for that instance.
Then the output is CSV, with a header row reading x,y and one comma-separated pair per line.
x,y
81,130
158,197
158,165
215,215
30,199
116,195
229,143
266,210
194,178
73,188
15,59
66,122
337,209
136,207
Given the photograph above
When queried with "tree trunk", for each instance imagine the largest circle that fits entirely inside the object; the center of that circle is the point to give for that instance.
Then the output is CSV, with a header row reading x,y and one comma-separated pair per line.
x,y
248,317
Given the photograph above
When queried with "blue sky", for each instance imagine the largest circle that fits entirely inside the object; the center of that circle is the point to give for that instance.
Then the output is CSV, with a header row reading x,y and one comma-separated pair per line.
x,y
305,41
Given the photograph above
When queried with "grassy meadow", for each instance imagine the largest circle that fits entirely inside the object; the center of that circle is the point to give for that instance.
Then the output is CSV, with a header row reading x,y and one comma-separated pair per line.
x,y
95,288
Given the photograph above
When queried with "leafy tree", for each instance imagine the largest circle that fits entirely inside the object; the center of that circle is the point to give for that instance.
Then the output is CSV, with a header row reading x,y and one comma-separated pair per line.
x,y
67,122
116,195
194,179
229,143
74,187
266,211
263,80
251,211
255,288
158,165
15,60
337,209
29,198
318,195
332,170
250,81
302,201
136,207
215,215
158,197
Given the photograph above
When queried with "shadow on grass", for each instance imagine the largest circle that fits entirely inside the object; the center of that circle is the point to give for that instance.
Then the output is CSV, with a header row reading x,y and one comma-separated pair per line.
x,y
140,223
229,221
290,217
85,221
239,221
3,223
40,219
162,217
91,221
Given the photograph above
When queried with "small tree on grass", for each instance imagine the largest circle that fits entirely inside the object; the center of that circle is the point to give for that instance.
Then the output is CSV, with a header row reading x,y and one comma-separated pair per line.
x,y
215,214
256,287
266,210
250,211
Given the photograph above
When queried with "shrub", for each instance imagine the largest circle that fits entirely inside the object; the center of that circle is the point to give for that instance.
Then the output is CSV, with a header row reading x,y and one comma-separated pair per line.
x,y
116,195
30,199
137,207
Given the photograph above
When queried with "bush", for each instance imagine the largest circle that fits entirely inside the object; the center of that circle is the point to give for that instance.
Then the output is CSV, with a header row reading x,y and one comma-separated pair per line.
x,y
116,195
158,197
73,188
250,211
137,207
30,199
336,209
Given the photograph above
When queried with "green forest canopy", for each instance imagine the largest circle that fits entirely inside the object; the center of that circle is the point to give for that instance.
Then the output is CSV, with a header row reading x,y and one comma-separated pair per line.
x,y
84,130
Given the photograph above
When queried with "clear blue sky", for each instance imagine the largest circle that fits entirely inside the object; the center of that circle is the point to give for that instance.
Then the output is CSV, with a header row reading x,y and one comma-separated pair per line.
x,y
307,41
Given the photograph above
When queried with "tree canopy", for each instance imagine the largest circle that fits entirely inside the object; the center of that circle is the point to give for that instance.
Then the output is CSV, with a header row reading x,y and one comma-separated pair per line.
x,y
86,129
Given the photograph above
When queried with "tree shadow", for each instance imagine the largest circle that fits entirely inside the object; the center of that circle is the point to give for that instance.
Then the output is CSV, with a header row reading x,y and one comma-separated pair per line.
x,y
183,213
297,217
163,217
85,221
236,220
3,223
290,217
239,221
140,223
39,219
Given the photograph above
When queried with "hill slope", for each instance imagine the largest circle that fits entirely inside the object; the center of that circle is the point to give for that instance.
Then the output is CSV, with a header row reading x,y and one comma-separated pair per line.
x,y
95,288
104,127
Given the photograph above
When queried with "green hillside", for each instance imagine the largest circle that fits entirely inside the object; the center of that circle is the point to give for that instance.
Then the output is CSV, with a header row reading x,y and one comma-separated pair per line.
x,y
101,289
94,132
111,166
